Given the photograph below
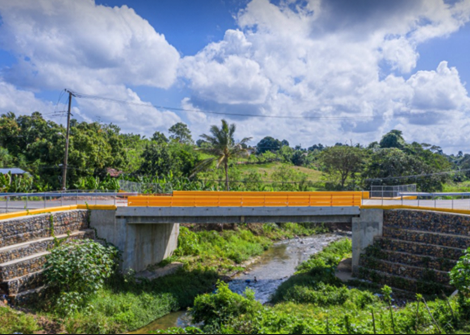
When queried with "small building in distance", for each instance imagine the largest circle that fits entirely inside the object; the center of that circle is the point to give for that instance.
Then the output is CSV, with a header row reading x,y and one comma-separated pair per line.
x,y
13,171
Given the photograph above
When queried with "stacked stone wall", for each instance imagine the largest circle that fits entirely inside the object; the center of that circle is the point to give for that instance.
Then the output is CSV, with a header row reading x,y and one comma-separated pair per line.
x,y
24,244
38,247
417,250
434,222
26,229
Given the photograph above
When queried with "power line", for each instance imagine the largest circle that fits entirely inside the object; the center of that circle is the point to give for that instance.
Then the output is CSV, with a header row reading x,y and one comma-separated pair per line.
x,y
85,96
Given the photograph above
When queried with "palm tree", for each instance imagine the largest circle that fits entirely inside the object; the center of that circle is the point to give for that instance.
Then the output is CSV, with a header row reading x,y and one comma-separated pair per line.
x,y
221,145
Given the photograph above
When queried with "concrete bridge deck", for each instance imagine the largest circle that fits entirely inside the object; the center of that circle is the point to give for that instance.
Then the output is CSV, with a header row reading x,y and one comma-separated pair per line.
x,y
164,215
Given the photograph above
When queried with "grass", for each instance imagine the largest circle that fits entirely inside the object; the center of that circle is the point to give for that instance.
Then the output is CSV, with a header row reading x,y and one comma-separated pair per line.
x,y
314,302
226,251
14,322
126,304
267,169
457,187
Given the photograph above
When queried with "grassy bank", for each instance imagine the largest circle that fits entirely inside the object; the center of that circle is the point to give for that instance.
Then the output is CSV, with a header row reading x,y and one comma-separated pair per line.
x,y
15,322
315,302
126,304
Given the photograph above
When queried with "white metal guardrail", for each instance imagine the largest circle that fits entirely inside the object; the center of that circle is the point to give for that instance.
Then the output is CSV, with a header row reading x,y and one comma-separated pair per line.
x,y
14,202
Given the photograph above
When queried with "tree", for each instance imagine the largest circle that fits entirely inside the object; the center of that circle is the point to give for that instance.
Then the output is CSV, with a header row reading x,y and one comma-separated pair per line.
x,y
181,133
223,146
159,137
394,139
318,147
268,144
156,160
393,162
342,162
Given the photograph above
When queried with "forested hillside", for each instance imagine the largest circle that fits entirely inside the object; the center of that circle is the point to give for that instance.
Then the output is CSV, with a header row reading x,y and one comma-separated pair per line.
x,y
37,146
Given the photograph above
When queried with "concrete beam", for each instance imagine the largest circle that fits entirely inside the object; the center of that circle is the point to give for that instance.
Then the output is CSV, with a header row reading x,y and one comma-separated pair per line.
x,y
208,215
142,220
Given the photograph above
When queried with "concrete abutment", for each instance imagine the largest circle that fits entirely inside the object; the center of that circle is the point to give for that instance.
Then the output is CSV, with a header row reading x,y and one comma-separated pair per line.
x,y
365,229
141,245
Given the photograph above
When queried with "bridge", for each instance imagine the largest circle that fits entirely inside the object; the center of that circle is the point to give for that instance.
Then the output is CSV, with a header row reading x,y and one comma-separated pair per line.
x,y
146,228
243,207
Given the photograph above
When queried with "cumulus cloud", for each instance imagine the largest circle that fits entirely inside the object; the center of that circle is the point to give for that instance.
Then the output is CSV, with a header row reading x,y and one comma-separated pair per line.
x,y
77,42
339,59
91,49
20,102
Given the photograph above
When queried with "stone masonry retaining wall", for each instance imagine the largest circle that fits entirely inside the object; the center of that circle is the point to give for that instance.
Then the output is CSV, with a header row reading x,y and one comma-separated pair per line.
x,y
25,242
434,222
417,250
38,247
22,230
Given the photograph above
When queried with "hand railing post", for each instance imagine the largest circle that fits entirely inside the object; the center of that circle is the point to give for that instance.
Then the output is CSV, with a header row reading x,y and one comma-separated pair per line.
x,y
402,199
44,197
331,201
8,200
27,204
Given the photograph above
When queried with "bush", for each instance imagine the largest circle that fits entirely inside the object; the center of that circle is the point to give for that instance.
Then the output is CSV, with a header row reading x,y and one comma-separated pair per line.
x,y
216,310
460,278
78,270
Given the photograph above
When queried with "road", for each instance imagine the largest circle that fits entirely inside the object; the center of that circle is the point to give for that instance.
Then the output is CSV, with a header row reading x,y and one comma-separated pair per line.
x,y
21,205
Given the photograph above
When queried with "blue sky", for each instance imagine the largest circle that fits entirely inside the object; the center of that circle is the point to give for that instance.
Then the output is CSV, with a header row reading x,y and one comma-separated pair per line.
x,y
317,70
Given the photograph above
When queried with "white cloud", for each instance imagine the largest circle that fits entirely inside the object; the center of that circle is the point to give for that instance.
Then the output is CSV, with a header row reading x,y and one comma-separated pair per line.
x,y
352,62
76,43
92,49
334,58
136,116
20,102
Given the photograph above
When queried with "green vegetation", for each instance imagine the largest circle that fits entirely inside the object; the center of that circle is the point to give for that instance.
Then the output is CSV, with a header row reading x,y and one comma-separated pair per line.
x,y
315,302
12,322
223,147
76,271
126,304
226,251
37,146
88,296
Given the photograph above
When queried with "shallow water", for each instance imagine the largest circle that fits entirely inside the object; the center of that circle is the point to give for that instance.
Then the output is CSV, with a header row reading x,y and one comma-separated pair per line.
x,y
274,267
278,264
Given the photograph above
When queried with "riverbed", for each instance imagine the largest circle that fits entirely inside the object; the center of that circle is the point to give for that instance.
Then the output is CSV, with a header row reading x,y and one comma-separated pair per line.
x,y
274,267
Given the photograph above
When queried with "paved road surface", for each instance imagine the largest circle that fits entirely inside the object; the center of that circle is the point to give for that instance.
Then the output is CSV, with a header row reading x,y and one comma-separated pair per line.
x,y
21,205
17,206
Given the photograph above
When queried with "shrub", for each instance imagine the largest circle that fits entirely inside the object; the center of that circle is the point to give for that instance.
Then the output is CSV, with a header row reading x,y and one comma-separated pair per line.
x,y
77,270
460,278
218,309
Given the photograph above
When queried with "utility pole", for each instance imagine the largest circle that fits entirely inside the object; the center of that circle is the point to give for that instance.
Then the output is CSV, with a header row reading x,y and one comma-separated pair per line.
x,y
66,157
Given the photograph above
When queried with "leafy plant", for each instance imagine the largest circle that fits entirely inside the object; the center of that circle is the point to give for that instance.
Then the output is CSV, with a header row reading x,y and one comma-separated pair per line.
x,y
78,270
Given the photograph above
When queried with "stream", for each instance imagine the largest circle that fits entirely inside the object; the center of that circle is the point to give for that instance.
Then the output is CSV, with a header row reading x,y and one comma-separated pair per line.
x,y
274,267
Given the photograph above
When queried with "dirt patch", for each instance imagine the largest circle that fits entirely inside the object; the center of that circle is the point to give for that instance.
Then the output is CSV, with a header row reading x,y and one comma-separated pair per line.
x,y
49,327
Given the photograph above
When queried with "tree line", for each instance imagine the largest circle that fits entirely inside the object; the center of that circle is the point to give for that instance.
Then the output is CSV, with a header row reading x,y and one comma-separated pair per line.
x,y
37,146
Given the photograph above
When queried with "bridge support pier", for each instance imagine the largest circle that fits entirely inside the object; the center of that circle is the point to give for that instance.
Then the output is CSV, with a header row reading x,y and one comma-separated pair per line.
x,y
364,229
141,245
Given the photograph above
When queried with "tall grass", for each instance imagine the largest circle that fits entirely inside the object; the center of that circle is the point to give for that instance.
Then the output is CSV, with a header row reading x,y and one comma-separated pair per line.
x,y
12,322
127,304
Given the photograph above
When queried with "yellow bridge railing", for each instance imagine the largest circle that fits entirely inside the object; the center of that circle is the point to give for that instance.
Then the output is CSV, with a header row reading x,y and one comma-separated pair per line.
x,y
250,199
